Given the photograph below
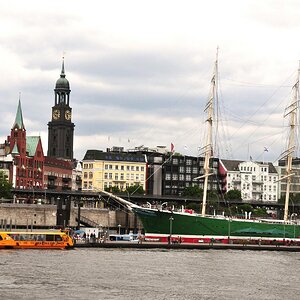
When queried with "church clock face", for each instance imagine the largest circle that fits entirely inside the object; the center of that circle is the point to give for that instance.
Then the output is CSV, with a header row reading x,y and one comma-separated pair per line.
x,y
68,115
56,114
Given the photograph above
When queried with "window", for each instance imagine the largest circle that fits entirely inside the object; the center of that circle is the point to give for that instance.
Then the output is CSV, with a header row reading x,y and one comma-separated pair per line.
x,y
105,176
106,167
181,169
181,177
85,175
188,162
122,176
188,169
90,166
109,175
90,175
175,176
195,170
142,169
137,177
122,168
116,167
168,176
175,161
128,168
188,177
137,168
116,176
132,168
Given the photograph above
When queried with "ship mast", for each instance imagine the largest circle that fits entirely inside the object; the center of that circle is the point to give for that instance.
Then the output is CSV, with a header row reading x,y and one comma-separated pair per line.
x,y
292,111
208,148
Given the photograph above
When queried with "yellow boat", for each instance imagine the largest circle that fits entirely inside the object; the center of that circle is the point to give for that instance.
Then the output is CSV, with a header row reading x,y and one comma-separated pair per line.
x,y
35,240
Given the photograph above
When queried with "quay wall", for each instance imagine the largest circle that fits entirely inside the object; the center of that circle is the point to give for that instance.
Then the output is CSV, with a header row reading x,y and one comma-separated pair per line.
x,y
23,215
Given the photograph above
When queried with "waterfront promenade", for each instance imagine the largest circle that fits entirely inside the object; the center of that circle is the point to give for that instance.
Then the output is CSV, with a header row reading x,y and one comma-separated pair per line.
x,y
186,246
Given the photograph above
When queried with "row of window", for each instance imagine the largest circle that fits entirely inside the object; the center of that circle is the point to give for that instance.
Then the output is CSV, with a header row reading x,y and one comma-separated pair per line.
x,y
88,185
122,168
254,188
121,186
117,167
249,169
121,176
189,162
254,177
260,197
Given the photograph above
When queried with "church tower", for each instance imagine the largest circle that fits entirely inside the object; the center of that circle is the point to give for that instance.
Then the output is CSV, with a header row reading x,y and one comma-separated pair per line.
x,y
61,128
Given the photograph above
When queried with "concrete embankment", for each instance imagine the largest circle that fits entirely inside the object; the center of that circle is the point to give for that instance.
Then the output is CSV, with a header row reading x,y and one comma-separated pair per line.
x,y
145,245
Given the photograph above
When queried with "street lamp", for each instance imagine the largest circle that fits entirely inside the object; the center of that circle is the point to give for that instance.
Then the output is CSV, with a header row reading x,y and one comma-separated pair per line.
x,y
171,219
119,228
229,220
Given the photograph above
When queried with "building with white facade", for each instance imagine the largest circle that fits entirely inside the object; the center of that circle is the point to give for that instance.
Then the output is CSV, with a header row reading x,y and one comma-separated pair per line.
x,y
257,181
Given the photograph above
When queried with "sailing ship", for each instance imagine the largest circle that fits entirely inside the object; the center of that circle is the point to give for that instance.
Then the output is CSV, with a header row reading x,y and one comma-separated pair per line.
x,y
167,225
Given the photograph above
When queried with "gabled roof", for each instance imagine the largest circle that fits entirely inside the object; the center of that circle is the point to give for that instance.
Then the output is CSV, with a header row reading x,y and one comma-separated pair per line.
x,y
19,118
231,165
31,144
59,163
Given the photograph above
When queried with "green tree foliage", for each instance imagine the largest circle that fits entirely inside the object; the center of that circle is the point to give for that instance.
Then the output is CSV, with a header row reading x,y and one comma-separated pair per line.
x,y
5,187
192,191
260,212
135,189
233,195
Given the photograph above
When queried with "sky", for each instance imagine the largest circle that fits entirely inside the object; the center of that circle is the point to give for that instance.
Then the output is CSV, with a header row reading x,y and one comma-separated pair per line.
x,y
140,71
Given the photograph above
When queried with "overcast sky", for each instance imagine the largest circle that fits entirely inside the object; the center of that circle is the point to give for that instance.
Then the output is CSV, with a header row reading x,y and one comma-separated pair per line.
x,y
140,71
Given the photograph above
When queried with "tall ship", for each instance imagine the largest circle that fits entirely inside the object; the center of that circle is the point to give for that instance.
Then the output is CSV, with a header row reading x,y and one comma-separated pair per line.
x,y
167,225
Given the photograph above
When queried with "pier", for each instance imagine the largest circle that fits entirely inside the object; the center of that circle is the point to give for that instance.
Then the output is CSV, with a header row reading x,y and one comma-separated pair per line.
x,y
202,246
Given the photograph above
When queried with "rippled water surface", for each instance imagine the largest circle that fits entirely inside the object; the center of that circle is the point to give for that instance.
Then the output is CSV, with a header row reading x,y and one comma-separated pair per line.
x,y
148,274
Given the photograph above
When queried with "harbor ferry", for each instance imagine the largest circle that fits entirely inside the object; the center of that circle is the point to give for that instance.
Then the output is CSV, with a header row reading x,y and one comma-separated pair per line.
x,y
35,240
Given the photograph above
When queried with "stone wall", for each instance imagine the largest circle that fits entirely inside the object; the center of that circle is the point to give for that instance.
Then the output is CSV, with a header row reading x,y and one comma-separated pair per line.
x,y
45,216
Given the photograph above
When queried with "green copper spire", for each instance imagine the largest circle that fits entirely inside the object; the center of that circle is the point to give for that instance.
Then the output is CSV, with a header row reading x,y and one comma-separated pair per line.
x,y
19,117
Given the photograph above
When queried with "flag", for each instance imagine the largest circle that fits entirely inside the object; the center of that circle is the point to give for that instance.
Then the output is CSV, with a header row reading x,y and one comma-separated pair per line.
x,y
266,149
251,158
172,147
185,147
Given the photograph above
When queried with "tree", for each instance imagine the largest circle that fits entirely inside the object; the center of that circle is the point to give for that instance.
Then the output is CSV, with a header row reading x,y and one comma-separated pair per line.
x,y
5,186
192,191
135,189
233,195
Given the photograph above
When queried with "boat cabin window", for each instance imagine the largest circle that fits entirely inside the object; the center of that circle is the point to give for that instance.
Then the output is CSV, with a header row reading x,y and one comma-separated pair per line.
x,y
57,237
49,237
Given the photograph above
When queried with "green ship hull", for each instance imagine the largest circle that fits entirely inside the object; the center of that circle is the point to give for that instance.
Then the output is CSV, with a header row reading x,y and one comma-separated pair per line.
x,y
158,223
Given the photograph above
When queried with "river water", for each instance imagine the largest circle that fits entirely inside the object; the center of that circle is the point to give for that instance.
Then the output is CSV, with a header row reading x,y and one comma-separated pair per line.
x,y
148,274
